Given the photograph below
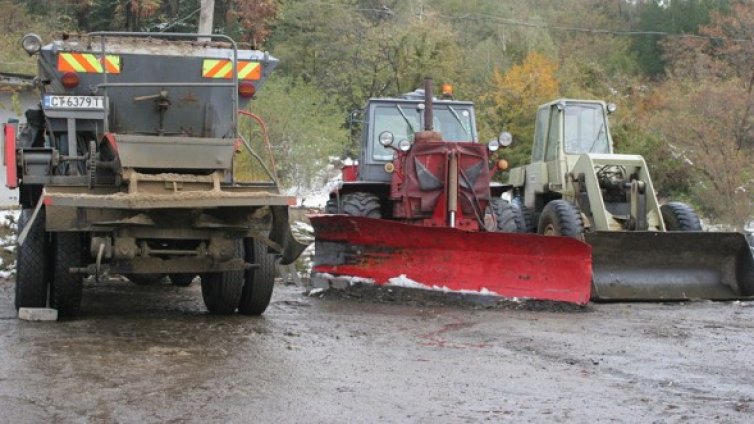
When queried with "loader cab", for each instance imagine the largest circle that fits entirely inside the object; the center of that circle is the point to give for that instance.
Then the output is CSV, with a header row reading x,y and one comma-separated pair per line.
x,y
565,130
402,117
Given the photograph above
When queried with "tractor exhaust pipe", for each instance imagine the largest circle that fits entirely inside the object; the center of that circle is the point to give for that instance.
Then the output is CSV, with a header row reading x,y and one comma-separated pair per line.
x,y
428,118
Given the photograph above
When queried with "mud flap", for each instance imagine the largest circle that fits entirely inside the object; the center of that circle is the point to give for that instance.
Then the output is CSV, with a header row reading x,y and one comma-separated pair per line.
x,y
281,235
670,266
511,265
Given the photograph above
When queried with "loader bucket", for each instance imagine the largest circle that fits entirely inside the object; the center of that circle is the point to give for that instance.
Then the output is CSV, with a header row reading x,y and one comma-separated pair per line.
x,y
510,265
670,266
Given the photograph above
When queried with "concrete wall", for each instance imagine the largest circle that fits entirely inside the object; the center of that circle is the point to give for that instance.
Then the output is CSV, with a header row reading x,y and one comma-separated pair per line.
x,y
11,86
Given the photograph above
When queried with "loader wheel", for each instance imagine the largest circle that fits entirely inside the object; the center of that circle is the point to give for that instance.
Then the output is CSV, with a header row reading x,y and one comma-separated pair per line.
x,y
561,218
362,204
331,206
679,216
221,291
259,282
530,219
67,287
508,217
32,269
181,280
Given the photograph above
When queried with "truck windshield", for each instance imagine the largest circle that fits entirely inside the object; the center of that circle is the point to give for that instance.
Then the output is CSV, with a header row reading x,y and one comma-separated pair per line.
x,y
585,129
454,122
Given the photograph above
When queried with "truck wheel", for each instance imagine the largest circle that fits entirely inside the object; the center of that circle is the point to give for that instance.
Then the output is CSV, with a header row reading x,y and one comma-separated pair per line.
x,y
331,206
221,291
561,218
508,216
679,216
362,204
181,280
67,287
259,282
32,269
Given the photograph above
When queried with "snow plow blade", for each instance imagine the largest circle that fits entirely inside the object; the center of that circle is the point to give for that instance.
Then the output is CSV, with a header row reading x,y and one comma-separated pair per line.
x,y
670,266
510,265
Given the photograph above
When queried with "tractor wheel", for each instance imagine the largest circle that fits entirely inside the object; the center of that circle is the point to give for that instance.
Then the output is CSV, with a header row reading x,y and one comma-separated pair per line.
x,y
561,218
259,282
530,219
67,287
181,280
331,206
32,269
508,217
362,204
145,279
679,216
221,291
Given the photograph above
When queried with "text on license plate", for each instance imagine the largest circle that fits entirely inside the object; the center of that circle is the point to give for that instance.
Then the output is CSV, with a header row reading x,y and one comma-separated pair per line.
x,y
74,102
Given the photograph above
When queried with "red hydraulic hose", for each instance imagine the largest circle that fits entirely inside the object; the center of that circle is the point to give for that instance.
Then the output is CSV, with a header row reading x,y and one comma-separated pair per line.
x,y
265,135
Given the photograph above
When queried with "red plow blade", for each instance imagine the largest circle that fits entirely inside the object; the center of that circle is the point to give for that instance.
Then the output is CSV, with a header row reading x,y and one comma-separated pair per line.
x,y
511,265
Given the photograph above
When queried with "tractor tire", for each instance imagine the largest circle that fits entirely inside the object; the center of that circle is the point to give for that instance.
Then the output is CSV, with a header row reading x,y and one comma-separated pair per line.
x,y
145,279
679,216
32,263
331,207
508,216
258,282
362,204
67,287
561,218
181,280
530,219
221,291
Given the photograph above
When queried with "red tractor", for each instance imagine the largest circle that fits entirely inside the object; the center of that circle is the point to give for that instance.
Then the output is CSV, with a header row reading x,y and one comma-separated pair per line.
x,y
421,207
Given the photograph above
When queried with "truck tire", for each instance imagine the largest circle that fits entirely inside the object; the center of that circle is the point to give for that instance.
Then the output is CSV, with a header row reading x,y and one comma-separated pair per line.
x,y
508,216
679,216
530,219
259,282
221,291
67,287
362,204
32,263
181,280
331,207
561,218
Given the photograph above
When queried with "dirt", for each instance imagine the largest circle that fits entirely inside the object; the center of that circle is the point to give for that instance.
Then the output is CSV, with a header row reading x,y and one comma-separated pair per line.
x,y
152,354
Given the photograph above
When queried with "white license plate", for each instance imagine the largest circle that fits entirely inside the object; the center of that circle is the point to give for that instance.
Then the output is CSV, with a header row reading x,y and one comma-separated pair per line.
x,y
75,102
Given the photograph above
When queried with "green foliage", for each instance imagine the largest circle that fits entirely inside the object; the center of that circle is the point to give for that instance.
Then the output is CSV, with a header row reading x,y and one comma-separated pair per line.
x,y
676,17
304,130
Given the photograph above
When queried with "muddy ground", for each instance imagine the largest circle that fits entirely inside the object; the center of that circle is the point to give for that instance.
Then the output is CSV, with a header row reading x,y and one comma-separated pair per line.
x,y
152,354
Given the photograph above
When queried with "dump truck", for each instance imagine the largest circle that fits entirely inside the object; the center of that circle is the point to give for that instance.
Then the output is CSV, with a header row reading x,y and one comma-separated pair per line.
x,y
126,167
577,186
420,207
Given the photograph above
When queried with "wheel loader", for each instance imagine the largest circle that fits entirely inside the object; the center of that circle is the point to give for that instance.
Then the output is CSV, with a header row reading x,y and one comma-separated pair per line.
x,y
126,167
420,206
577,186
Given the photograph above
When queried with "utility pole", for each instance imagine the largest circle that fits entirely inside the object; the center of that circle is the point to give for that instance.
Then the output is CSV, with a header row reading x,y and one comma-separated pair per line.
x,y
206,17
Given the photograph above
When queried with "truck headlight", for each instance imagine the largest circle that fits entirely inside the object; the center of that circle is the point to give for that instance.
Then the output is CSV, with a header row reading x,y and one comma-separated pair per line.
x,y
31,43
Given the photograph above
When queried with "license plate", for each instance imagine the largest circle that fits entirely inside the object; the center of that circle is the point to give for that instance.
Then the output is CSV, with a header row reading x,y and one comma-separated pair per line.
x,y
75,102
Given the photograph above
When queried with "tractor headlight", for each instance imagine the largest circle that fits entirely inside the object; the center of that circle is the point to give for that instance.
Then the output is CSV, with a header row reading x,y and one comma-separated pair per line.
x,y
505,139
404,145
611,108
493,145
31,43
386,138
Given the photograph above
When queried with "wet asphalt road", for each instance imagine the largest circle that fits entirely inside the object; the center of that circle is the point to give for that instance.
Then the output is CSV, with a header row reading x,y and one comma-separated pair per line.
x,y
152,354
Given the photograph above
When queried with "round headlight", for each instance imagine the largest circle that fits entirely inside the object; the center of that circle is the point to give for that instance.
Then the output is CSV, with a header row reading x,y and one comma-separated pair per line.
x,y
31,43
386,138
505,139
404,145
493,145
611,107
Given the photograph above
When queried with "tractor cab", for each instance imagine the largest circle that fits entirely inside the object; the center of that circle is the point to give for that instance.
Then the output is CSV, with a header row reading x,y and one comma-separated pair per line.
x,y
400,118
